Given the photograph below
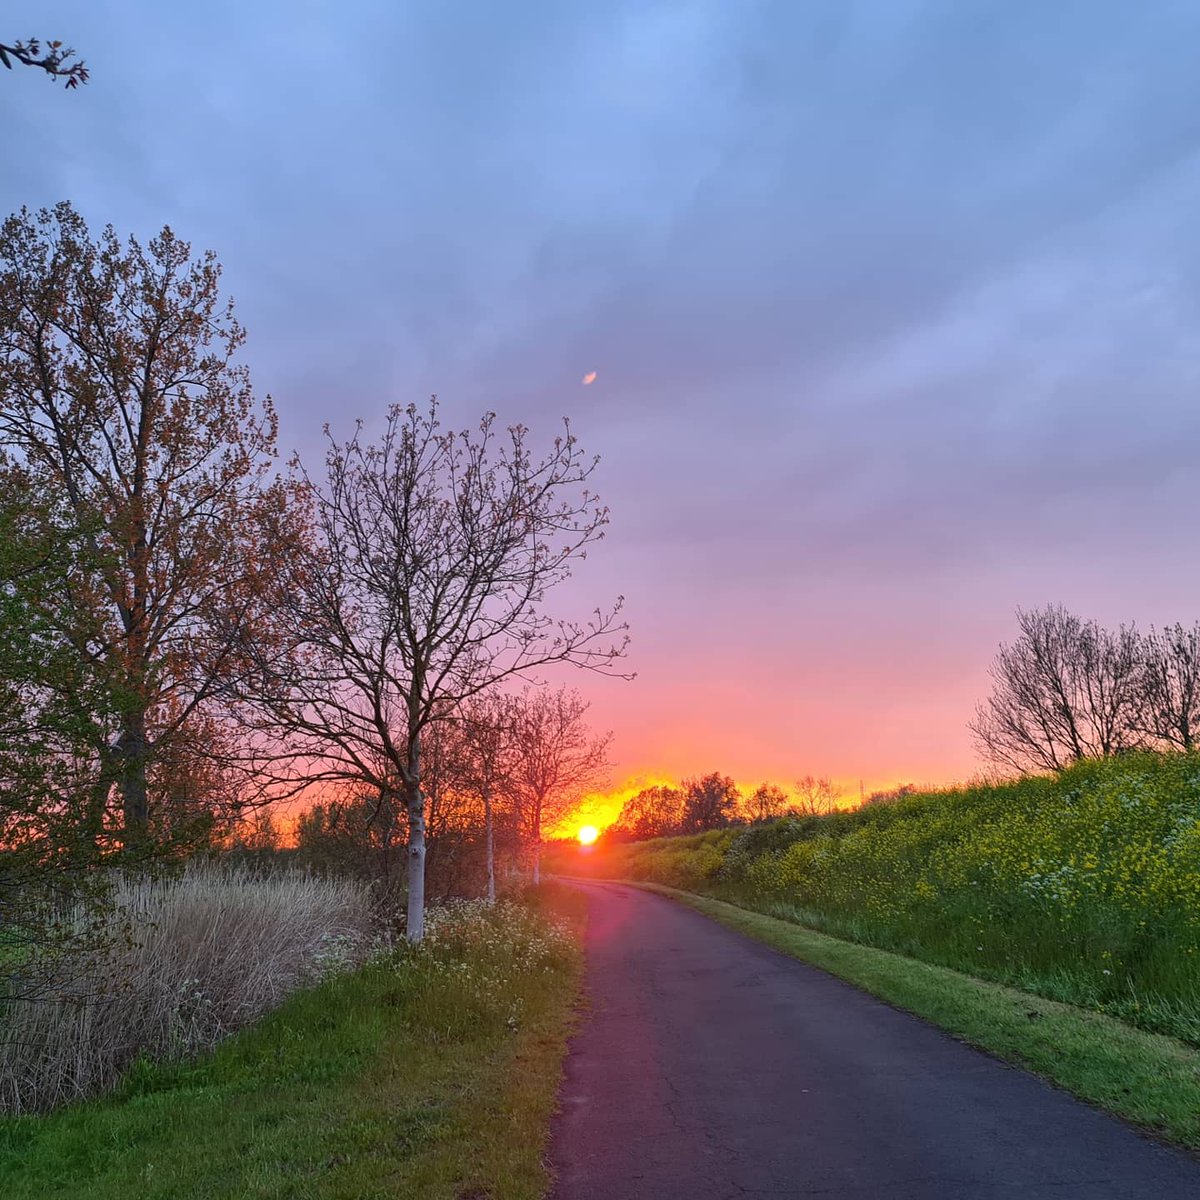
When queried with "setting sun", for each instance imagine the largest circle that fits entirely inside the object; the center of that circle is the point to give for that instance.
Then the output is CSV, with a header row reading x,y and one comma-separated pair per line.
x,y
588,834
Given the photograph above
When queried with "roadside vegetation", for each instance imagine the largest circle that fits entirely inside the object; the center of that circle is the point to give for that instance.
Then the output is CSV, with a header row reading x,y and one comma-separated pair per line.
x,y
1082,887
429,1071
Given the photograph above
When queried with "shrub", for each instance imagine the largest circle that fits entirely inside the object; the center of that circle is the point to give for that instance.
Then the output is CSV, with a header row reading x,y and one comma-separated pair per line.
x,y
474,970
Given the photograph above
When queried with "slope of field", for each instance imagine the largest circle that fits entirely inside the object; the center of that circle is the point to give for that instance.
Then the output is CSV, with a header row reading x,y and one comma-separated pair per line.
x,y
1084,887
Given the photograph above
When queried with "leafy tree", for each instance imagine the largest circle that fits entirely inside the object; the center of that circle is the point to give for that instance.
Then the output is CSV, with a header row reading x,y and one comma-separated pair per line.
x,y
361,834
433,553
652,812
132,477
54,60
767,802
258,833
711,802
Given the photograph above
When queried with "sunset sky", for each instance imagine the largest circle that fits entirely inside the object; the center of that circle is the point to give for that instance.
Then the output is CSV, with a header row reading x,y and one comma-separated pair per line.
x,y
892,308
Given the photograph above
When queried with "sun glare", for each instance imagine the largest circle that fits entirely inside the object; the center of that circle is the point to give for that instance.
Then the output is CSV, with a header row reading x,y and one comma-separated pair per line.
x,y
588,834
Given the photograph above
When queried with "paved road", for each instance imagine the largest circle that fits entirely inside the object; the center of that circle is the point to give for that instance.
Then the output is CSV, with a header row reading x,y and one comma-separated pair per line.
x,y
711,1067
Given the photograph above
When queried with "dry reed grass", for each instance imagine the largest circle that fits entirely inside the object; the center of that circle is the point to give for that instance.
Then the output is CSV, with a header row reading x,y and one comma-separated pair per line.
x,y
190,959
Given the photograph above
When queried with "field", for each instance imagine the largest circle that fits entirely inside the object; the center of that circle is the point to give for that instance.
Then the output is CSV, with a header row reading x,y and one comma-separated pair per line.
x,y
1082,887
428,1072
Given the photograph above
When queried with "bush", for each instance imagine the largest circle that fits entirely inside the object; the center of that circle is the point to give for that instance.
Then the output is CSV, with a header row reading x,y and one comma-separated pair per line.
x,y
473,971
187,961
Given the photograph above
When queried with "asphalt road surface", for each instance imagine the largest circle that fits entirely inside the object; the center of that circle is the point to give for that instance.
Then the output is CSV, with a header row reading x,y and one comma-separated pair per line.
x,y
710,1067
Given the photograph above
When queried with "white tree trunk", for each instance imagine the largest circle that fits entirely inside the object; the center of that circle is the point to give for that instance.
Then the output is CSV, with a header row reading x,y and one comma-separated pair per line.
x,y
491,846
537,841
415,924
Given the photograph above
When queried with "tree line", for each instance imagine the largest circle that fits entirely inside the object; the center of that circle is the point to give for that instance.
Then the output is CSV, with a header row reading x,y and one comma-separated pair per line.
x,y
714,801
189,630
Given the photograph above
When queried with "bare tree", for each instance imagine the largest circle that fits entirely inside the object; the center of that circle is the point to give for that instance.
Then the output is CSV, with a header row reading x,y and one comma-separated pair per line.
x,y
432,555
767,802
1066,689
815,796
556,759
488,724
133,461
55,60
1170,686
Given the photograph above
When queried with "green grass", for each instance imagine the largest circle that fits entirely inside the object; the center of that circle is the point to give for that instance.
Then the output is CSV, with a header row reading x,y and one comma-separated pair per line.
x,y
433,1075
1149,1079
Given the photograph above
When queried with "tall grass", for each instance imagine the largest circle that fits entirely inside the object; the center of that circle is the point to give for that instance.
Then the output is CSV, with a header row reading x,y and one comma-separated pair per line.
x,y
1083,887
187,961
431,1072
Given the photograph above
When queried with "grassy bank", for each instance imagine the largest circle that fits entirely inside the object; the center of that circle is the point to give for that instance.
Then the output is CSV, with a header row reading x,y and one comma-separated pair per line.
x,y
1082,888
427,1073
1146,1078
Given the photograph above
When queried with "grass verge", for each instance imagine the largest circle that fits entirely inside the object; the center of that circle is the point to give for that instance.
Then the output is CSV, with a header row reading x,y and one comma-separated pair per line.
x,y
433,1074
1146,1078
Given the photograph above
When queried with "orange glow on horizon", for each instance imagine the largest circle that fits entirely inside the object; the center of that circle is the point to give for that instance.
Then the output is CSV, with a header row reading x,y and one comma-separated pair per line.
x,y
595,810
601,809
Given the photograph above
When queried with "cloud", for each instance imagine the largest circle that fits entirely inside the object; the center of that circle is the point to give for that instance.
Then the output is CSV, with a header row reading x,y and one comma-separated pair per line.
x,y
886,294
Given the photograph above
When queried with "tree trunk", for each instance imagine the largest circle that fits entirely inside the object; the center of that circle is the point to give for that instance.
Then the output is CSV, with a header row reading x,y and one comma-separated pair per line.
x,y
134,802
416,844
92,826
490,843
537,842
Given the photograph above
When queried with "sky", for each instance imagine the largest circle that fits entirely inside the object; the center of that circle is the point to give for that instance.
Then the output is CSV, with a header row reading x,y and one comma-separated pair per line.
x,y
892,308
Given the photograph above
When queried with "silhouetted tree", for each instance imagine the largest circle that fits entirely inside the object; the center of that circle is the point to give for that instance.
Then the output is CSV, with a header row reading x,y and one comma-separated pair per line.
x,y
1170,686
433,553
487,726
889,795
1066,689
815,796
360,834
556,759
767,802
653,812
709,803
